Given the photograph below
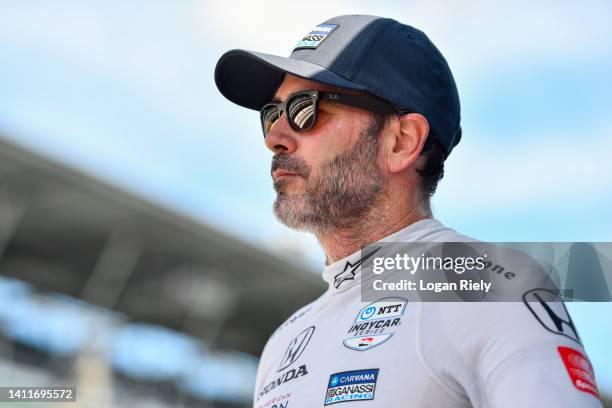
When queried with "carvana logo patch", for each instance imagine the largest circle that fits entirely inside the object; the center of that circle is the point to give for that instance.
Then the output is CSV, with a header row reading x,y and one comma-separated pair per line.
x,y
356,385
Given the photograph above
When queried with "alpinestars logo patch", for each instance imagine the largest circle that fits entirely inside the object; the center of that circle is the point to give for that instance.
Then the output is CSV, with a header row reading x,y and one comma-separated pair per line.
x,y
349,271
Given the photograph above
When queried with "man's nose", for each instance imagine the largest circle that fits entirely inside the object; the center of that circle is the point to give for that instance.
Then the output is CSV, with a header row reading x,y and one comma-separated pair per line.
x,y
281,138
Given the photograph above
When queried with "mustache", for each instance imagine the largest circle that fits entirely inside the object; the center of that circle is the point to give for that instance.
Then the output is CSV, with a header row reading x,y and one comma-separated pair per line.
x,y
292,164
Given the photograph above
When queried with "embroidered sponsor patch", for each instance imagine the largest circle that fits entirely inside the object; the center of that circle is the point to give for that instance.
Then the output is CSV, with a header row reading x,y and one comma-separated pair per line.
x,y
350,269
357,385
374,324
280,401
366,343
579,369
296,348
547,307
316,36
279,381
384,308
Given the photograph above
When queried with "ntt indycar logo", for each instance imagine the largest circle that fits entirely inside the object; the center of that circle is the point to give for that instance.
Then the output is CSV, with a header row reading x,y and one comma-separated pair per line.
x,y
357,385
384,308
375,323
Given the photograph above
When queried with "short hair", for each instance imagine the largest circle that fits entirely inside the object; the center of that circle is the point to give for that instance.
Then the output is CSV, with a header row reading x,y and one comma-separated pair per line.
x,y
433,169
435,155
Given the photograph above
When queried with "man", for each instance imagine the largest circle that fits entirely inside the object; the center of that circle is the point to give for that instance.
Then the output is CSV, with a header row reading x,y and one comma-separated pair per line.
x,y
360,119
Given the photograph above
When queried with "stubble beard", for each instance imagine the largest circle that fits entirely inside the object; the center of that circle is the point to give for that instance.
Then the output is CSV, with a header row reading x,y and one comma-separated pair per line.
x,y
341,192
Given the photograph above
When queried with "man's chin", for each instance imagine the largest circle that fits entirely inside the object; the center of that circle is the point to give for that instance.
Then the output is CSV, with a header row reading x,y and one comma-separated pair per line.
x,y
290,210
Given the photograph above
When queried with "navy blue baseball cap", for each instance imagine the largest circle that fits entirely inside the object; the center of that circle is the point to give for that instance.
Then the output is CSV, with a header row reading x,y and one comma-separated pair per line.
x,y
393,61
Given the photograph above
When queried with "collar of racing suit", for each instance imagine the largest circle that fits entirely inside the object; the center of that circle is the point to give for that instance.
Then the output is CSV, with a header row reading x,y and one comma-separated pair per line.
x,y
346,273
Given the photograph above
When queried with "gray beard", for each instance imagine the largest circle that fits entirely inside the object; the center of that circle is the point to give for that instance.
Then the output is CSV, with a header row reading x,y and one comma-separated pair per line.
x,y
342,192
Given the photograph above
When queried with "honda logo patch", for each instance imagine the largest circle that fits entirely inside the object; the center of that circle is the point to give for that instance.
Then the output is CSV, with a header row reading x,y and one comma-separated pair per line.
x,y
296,348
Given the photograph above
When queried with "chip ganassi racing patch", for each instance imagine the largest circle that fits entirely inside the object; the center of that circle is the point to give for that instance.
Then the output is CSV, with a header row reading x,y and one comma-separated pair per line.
x,y
356,385
315,36
579,369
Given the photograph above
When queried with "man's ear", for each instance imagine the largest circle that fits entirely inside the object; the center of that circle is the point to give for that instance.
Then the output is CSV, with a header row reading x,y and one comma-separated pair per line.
x,y
409,136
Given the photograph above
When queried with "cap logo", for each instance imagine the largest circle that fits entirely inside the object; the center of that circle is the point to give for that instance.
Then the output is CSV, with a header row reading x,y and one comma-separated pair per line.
x,y
316,36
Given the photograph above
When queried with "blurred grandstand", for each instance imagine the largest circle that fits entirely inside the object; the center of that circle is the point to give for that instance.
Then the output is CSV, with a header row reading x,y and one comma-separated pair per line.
x,y
134,304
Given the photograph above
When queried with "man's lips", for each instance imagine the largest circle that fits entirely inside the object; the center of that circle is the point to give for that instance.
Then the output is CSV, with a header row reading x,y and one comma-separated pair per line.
x,y
278,173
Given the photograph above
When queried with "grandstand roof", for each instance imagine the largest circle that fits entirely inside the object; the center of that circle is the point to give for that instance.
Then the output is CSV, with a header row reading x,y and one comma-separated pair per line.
x,y
65,231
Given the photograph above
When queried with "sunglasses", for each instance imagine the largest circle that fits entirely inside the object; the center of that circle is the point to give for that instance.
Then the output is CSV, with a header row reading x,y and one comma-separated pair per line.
x,y
302,108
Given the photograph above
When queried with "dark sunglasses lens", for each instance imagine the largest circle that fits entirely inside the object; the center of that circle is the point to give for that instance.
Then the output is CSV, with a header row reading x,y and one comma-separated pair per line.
x,y
269,116
301,111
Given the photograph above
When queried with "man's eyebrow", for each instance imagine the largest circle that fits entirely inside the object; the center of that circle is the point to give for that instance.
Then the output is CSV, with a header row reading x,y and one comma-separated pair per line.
x,y
276,99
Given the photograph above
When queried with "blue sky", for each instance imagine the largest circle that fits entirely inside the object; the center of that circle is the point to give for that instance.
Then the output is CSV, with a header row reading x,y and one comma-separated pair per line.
x,y
125,91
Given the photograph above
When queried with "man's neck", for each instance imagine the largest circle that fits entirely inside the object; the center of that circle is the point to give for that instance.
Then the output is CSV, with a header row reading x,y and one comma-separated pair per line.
x,y
381,221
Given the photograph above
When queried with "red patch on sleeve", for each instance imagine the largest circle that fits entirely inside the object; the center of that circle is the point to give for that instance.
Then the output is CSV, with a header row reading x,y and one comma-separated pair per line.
x,y
579,369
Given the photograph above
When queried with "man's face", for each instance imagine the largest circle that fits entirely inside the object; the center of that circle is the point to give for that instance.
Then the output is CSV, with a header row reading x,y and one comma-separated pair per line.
x,y
327,177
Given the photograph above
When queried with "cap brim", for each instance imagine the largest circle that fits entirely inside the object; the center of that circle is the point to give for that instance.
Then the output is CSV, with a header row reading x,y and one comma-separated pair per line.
x,y
250,79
